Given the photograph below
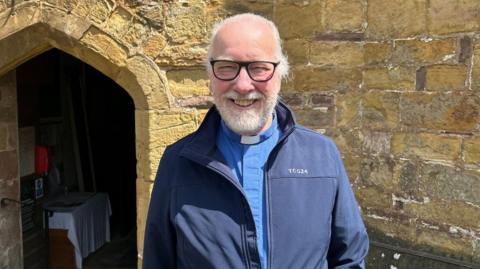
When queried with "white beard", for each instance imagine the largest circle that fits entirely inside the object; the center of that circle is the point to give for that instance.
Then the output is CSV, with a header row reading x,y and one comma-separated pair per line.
x,y
246,122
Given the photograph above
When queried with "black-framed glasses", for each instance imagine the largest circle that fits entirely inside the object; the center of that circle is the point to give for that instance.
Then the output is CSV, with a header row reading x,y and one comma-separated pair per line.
x,y
259,71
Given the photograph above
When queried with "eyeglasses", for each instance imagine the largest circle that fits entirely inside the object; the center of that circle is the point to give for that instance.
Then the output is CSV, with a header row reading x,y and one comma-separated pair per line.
x,y
259,71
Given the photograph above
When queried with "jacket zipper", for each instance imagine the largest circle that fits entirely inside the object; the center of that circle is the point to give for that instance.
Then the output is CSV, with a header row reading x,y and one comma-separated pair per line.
x,y
267,199
235,183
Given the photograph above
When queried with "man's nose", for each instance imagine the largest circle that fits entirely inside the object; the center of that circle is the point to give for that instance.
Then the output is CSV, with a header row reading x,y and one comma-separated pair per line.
x,y
244,83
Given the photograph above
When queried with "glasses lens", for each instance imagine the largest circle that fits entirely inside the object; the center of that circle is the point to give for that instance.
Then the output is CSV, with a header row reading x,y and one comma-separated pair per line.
x,y
261,70
225,69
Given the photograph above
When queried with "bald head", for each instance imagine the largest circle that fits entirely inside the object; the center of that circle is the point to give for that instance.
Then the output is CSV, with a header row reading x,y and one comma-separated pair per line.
x,y
248,27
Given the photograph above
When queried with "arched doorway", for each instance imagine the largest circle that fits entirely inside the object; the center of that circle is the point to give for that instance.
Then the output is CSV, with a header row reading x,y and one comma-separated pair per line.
x,y
86,121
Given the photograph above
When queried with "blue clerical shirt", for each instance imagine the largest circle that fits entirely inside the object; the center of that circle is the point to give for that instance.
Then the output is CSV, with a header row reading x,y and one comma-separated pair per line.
x,y
247,157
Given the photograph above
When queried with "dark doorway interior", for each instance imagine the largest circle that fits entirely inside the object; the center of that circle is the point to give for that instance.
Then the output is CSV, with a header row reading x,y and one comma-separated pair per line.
x,y
87,123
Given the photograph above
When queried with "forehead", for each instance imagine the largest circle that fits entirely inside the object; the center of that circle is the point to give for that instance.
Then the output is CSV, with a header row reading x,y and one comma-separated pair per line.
x,y
244,40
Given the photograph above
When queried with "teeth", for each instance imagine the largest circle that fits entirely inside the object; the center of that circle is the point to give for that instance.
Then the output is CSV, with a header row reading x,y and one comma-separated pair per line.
x,y
243,102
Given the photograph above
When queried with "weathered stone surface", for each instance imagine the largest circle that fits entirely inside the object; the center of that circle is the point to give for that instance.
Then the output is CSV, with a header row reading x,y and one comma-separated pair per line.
x,y
151,80
376,142
297,51
336,53
344,15
435,211
8,114
476,67
117,24
315,118
427,146
471,150
295,22
452,112
293,99
424,52
65,23
136,33
186,22
326,79
377,52
182,55
154,13
395,18
185,83
381,110
3,138
348,141
449,183
199,102
322,100
446,77
379,172
24,16
349,109
373,196
105,45
12,136
397,78
451,16
100,10
154,45
8,169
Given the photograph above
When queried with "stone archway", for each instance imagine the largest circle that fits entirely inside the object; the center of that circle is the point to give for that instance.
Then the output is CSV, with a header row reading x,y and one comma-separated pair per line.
x,y
34,30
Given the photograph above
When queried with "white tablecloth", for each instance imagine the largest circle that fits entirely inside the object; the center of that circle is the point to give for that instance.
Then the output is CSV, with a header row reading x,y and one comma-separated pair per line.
x,y
86,216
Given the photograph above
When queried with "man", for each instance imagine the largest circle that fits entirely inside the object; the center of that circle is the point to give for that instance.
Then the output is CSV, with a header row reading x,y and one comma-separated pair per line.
x,y
251,188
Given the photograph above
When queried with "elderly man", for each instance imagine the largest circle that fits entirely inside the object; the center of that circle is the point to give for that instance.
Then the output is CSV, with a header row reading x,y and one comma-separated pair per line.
x,y
251,188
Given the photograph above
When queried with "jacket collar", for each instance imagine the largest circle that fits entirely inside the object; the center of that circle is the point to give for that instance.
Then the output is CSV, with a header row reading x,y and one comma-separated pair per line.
x,y
204,139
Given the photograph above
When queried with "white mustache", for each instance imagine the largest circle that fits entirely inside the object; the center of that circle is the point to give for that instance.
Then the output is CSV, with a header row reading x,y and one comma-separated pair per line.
x,y
238,96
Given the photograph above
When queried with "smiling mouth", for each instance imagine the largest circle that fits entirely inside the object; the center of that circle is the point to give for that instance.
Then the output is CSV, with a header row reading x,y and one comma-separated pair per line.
x,y
243,102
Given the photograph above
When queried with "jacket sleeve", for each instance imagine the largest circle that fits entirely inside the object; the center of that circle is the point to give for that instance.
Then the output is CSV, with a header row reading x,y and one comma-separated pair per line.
x,y
349,239
159,250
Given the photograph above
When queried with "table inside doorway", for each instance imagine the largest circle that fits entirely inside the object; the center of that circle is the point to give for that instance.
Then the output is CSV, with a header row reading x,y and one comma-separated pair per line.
x,y
86,216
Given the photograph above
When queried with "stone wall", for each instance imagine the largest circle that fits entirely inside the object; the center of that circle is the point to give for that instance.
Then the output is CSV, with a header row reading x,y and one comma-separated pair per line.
x,y
10,243
396,83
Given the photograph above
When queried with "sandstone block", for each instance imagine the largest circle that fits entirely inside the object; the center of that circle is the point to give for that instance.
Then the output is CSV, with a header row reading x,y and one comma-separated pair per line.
x,y
395,18
154,45
441,111
326,79
451,16
152,81
449,183
12,136
322,100
297,51
105,45
336,53
427,146
348,107
8,170
348,141
182,55
471,152
466,215
261,7
424,52
8,114
377,52
379,172
376,142
476,67
298,22
186,23
3,138
159,120
100,10
380,110
446,77
69,24
185,83
382,78
344,15
373,196
315,118
117,24
154,13
293,99
136,33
